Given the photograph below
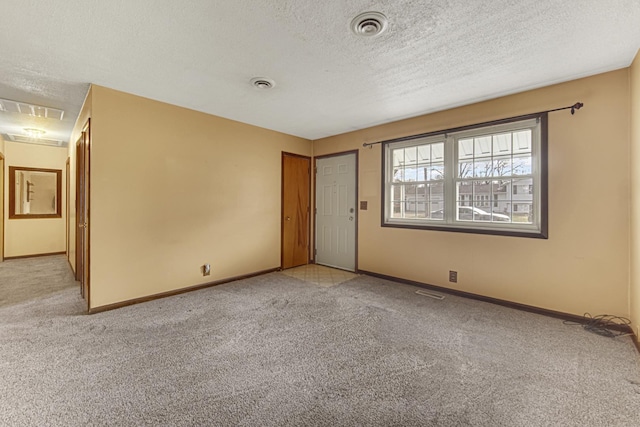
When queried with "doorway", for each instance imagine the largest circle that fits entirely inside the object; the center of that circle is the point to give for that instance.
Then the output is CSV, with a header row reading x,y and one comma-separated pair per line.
x,y
336,213
1,207
67,181
296,189
82,211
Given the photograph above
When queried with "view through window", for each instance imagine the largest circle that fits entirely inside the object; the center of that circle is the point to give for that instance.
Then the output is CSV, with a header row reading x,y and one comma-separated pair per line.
x,y
485,179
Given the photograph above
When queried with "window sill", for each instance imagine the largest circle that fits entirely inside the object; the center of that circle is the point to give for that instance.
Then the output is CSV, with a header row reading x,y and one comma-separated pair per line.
x,y
497,231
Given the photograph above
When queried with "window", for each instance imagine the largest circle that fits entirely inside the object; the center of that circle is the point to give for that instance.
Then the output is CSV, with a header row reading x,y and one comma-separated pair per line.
x,y
488,178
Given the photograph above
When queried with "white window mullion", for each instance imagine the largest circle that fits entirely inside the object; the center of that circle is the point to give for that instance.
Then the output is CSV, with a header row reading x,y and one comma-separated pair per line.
x,y
450,173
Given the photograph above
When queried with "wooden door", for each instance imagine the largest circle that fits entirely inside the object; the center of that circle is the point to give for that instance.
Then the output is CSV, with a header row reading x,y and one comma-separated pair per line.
x,y
296,171
82,212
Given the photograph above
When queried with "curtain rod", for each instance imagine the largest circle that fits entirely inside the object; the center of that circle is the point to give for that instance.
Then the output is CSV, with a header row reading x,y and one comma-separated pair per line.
x,y
574,108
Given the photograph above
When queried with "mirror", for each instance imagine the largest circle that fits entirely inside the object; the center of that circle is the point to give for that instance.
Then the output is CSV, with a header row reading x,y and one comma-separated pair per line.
x,y
35,193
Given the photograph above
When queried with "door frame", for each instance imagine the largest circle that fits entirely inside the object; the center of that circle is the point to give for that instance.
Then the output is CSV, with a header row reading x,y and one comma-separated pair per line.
x,y
67,215
357,199
84,143
309,233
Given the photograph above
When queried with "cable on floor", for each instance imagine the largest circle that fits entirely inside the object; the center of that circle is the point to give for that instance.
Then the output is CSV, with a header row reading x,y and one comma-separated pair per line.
x,y
604,324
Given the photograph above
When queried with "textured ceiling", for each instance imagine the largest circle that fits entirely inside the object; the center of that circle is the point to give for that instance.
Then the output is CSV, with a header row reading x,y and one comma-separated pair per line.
x,y
201,54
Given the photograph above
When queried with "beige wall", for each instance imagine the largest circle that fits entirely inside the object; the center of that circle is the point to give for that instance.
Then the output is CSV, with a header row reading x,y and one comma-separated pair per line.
x,y
172,189
583,266
34,236
635,194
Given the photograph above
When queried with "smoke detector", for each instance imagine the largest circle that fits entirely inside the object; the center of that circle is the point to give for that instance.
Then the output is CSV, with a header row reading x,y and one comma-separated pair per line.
x,y
262,83
369,24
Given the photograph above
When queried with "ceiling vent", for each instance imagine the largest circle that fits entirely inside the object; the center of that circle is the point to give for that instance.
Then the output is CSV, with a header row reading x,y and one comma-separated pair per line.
x,y
38,141
262,83
369,24
32,110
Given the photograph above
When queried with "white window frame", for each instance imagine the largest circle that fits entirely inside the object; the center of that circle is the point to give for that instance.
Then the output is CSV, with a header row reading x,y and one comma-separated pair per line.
x,y
536,123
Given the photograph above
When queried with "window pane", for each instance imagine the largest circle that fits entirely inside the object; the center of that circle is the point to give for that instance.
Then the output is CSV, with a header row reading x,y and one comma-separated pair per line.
x,y
421,201
502,144
465,149
465,169
410,155
502,212
522,212
523,189
398,175
437,152
482,192
522,165
483,168
465,213
465,193
424,153
522,142
480,213
436,172
396,201
436,200
502,166
482,147
410,201
410,174
398,157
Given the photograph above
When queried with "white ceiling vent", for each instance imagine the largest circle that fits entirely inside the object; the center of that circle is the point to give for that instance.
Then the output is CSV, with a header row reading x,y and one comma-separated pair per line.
x,y
262,83
32,110
369,24
38,141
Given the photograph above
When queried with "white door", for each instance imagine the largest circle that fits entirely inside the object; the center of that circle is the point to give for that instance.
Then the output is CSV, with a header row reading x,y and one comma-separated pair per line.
x,y
336,218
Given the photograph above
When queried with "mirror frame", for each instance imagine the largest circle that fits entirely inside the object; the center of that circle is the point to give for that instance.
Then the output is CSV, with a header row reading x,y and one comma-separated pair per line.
x,y
12,193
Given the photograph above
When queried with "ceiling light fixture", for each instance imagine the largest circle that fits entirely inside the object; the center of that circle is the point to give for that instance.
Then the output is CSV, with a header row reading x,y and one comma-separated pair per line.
x,y
369,24
34,133
262,83
37,141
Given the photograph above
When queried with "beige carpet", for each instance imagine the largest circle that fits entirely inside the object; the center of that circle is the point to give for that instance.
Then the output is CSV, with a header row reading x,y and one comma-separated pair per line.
x,y
32,278
274,351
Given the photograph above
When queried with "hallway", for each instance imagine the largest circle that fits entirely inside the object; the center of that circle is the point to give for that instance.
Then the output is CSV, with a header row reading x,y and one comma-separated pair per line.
x,y
40,278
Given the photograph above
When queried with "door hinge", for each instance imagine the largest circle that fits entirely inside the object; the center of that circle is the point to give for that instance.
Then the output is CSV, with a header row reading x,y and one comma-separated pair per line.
x,y
315,210
315,252
315,169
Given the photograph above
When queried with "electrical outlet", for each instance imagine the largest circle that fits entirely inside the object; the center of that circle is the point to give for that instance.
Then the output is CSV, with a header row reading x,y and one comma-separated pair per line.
x,y
453,276
206,270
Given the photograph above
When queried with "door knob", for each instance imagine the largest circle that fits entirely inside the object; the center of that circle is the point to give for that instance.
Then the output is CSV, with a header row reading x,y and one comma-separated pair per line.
x,y
288,218
350,218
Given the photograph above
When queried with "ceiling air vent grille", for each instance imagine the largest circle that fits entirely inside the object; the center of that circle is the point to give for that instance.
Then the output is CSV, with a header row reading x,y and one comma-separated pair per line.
x,y
369,24
32,110
262,83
